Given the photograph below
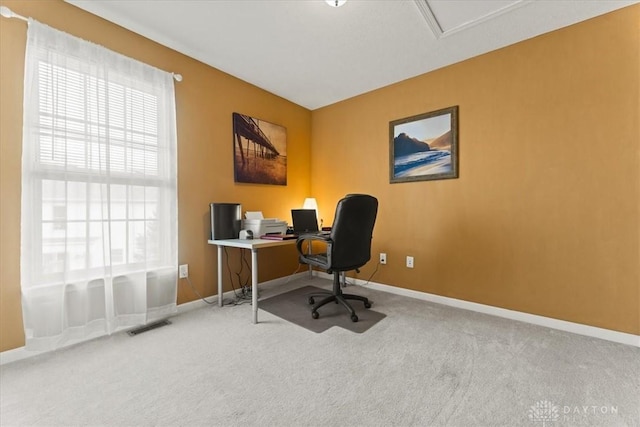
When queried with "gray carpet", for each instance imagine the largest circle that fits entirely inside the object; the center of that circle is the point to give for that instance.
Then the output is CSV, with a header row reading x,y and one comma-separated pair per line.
x,y
293,307
423,365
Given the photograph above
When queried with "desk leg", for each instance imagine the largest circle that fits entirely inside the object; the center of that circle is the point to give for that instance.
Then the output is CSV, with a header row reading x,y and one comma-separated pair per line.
x,y
309,247
219,276
254,284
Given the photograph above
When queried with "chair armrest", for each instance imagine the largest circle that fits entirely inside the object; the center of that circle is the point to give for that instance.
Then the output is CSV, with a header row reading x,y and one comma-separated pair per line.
x,y
321,238
318,259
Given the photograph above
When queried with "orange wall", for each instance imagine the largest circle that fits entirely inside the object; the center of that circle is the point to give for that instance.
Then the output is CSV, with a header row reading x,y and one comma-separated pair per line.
x,y
544,217
205,99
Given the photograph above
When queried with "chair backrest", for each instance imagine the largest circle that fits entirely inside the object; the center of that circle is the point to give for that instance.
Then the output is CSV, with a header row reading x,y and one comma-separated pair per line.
x,y
352,231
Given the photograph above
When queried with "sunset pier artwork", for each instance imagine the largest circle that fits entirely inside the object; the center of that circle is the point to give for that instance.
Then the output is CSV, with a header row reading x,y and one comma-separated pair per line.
x,y
259,151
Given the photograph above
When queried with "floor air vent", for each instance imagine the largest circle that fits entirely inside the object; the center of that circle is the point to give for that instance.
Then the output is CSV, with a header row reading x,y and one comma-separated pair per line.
x,y
150,326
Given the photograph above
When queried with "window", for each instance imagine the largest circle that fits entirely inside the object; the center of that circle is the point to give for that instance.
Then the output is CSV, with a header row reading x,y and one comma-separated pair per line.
x,y
99,182
97,163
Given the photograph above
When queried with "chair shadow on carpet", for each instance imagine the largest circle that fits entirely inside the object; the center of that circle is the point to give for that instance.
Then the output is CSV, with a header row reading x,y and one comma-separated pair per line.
x,y
292,306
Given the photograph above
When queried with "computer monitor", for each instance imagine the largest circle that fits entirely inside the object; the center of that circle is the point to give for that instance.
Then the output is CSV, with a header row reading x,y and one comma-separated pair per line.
x,y
304,221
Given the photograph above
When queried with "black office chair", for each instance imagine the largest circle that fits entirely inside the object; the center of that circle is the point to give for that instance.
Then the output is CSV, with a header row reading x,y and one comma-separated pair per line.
x,y
348,247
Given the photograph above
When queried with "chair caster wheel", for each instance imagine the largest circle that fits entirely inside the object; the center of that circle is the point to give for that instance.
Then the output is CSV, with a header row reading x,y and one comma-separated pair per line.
x,y
311,301
367,305
315,314
354,318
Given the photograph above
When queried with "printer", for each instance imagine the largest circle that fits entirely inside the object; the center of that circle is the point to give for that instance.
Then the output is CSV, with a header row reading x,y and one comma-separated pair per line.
x,y
259,226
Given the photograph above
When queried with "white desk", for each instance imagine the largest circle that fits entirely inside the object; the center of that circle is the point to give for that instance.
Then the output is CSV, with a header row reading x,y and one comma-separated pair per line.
x,y
254,245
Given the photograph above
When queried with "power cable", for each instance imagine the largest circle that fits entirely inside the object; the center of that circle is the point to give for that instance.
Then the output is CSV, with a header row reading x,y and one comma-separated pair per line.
x,y
198,293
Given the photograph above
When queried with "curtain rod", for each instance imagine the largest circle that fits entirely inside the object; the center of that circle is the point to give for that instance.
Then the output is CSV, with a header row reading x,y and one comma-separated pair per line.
x,y
8,13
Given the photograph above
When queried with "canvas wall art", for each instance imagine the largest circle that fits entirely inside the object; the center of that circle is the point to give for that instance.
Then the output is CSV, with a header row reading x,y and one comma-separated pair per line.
x,y
424,147
260,151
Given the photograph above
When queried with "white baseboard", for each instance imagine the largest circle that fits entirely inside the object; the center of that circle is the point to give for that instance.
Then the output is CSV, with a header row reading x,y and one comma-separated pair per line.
x,y
15,354
192,305
561,325
20,353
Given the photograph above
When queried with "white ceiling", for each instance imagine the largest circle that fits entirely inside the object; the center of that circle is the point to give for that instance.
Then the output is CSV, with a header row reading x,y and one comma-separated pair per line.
x,y
315,55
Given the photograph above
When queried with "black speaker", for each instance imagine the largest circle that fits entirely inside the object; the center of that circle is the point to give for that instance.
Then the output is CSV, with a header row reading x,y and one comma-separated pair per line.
x,y
226,220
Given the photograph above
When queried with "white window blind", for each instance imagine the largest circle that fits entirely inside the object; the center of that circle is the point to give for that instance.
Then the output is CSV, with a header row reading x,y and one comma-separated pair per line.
x,y
99,200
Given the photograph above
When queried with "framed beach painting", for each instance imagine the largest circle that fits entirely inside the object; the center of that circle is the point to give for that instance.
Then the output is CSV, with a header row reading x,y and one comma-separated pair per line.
x,y
260,151
424,147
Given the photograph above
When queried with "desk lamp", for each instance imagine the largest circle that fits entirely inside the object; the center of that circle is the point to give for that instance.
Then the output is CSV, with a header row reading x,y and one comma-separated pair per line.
x,y
311,203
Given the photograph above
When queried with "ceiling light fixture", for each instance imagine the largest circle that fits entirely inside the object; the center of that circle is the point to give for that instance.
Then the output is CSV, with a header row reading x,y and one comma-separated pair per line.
x,y
335,3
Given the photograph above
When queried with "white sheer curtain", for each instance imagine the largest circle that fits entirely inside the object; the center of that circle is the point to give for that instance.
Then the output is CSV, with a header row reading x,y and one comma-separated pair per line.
x,y
99,191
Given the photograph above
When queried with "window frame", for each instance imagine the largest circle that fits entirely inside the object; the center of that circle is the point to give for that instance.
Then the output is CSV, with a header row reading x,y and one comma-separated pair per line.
x,y
43,171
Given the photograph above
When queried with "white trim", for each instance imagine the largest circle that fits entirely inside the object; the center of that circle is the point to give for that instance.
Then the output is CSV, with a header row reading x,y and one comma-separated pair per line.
x,y
282,280
20,353
439,32
16,354
428,16
191,305
548,322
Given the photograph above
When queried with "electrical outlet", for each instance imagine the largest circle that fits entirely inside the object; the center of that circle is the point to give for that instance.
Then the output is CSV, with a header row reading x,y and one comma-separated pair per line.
x,y
409,262
383,258
183,271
